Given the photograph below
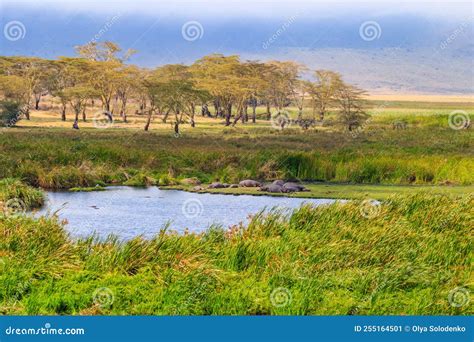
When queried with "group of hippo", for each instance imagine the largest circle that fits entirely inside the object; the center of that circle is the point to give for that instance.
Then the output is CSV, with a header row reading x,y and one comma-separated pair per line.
x,y
278,186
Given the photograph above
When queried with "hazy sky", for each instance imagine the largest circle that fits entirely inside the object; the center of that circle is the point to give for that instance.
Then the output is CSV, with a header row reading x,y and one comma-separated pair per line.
x,y
259,8
416,45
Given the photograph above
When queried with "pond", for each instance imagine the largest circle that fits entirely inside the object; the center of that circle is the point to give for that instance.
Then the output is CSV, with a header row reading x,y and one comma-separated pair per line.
x,y
129,212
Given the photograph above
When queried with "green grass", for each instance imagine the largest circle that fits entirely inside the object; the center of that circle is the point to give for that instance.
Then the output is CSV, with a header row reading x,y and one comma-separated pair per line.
x,y
14,190
88,189
347,191
402,257
427,152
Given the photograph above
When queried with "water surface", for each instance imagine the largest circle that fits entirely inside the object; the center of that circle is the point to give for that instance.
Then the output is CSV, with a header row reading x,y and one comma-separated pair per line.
x,y
128,212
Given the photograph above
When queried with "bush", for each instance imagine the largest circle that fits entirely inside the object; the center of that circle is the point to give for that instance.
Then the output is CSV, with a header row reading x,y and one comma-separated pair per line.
x,y
10,113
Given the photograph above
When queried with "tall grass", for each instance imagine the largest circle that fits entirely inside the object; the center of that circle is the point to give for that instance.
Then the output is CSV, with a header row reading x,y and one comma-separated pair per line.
x,y
14,189
402,257
380,155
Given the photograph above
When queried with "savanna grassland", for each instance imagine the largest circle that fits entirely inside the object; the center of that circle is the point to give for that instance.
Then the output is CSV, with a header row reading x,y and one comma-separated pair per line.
x,y
406,144
411,254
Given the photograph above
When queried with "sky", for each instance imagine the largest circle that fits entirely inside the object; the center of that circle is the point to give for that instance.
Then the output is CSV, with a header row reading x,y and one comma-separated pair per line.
x,y
259,8
435,33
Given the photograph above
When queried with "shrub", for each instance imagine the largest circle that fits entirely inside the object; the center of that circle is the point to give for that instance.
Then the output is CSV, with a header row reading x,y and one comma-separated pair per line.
x,y
10,113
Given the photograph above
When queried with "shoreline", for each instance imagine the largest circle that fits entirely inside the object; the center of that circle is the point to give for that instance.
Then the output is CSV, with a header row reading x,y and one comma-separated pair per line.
x,y
338,191
317,190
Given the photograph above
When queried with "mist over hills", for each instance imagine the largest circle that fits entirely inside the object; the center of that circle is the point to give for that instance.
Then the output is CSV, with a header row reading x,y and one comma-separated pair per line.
x,y
397,53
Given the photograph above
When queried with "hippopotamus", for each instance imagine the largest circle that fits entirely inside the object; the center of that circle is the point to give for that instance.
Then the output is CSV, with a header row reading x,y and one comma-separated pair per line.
x,y
293,187
278,182
248,183
232,186
272,188
217,185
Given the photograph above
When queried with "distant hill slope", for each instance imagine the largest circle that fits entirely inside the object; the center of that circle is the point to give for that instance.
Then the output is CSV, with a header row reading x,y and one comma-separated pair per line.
x,y
389,70
411,54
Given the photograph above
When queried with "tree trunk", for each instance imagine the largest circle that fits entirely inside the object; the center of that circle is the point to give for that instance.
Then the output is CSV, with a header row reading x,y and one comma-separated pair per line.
x,y
75,125
107,105
63,113
269,114
228,114
216,108
123,108
165,117
254,112
27,113
84,118
193,113
148,120
37,101
246,114
300,114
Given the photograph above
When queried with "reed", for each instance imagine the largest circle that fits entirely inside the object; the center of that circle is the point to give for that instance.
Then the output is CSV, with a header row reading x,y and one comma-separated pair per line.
x,y
402,257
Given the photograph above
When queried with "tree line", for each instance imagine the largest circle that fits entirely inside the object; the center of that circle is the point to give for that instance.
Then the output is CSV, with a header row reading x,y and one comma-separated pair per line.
x,y
219,86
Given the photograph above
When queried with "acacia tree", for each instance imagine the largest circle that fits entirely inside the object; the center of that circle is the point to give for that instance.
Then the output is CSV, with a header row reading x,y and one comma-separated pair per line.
x,y
298,94
79,89
351,106
155,94
78,96
219,76
104,52
247,89
15,88
30,69
323,90
40,88
58,80
13,99
127,82
153,86
260,85
171,91
181,99
105,78
107,74
283,81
